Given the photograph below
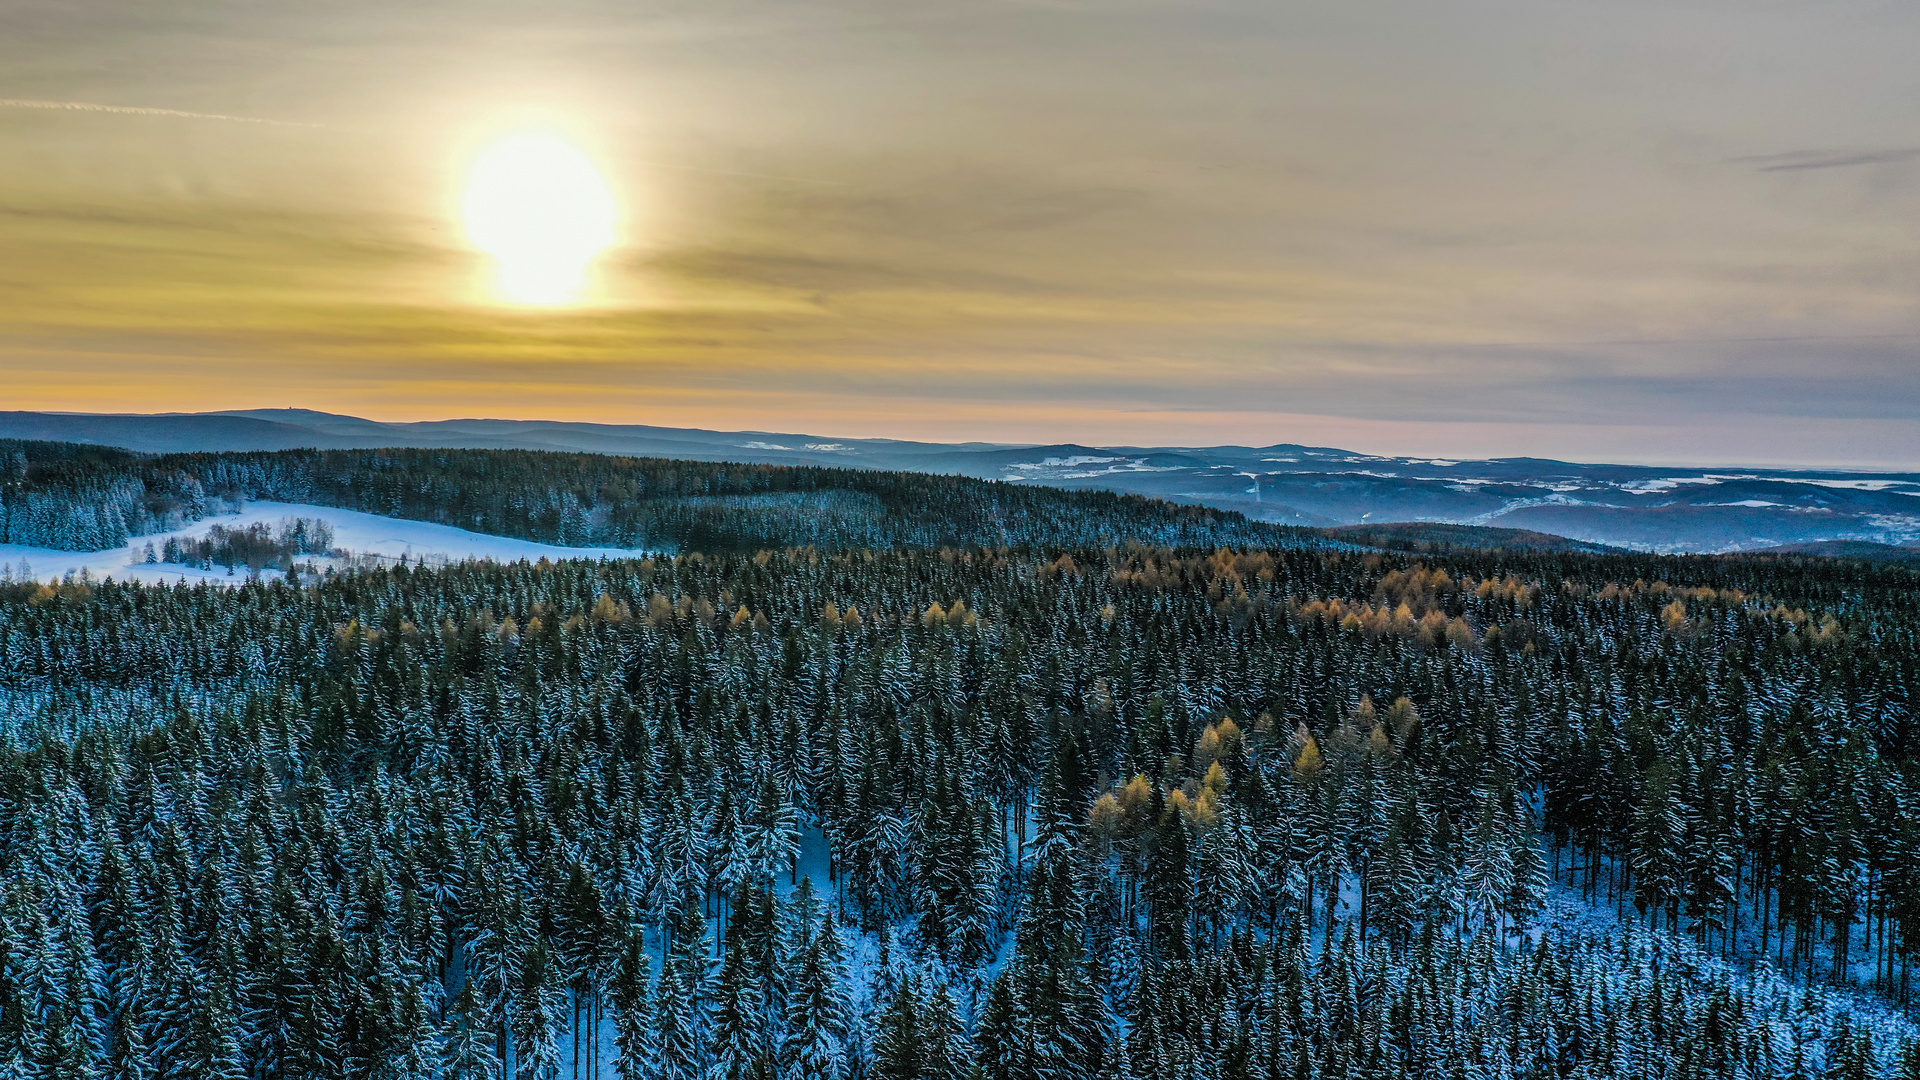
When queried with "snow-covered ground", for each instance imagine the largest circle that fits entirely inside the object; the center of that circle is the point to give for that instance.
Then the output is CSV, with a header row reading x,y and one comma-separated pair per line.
x,y
1568,914
355,532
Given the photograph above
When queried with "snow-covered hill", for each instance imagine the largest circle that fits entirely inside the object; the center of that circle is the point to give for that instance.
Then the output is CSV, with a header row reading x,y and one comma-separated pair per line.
x,y
1633,506
359,535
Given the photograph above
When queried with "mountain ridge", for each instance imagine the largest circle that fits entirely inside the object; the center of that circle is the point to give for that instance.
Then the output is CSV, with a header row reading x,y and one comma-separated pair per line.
x,y
1637,507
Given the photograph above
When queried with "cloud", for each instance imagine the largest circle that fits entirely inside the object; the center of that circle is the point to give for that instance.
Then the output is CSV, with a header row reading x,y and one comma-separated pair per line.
x,y
135,110
1794,160
1061,208
989,219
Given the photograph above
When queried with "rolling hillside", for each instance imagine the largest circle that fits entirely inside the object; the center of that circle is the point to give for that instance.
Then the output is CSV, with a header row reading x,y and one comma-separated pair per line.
x,y
1638,507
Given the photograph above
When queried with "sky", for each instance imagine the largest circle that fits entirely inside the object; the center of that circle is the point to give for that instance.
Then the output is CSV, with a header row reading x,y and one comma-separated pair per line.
x,y
1681,232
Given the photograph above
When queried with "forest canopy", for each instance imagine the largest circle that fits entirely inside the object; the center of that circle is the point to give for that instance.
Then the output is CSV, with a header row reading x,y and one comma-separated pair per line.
x,y
77,498
1080,806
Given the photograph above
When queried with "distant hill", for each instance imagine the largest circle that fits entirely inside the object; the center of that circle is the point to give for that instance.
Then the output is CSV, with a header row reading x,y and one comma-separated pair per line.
x,y
1637,507
72,497
1439,538
1849,549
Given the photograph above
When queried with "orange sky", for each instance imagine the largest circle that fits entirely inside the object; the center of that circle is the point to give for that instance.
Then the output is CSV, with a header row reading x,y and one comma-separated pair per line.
x,y
1673,233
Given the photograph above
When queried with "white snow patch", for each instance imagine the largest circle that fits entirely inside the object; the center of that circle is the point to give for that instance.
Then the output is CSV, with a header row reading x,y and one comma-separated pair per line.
x,y
758,445
1849,485
1643,487
1521,504
1022,470
1901,528
355,532
1064,463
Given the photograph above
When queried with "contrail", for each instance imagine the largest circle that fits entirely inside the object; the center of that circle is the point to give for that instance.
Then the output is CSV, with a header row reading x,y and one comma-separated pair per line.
x,y
134,110
137,110
754,175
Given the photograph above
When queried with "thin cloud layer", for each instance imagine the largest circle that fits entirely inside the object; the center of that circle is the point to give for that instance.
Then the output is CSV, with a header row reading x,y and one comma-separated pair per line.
x,y
1796,160
1557,225
134,110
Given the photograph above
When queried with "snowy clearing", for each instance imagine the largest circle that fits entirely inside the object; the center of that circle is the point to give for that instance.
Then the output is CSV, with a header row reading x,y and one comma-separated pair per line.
x,y
354,532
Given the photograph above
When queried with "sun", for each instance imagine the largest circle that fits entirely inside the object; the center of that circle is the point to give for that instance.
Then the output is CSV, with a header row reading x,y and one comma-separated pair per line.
x,y
536,204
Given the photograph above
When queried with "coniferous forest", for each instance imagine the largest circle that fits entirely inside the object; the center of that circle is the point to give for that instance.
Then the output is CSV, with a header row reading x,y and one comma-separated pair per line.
x,y
876,775
89,498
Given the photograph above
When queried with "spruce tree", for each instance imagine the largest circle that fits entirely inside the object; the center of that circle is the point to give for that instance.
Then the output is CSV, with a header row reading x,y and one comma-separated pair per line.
x,y
466,1049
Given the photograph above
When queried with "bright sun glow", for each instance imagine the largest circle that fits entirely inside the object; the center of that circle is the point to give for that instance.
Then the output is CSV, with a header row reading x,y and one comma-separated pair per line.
x,y
535,203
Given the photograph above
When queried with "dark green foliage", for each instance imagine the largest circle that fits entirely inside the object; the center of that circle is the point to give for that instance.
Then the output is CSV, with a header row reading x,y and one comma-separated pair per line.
x,y
1119,811
84,499
252,546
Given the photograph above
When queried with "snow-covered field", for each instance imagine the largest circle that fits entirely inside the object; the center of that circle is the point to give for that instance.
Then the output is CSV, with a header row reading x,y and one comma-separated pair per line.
x,y
360,534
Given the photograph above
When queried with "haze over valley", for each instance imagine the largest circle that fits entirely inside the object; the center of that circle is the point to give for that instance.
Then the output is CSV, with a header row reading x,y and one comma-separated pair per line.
x,y
1636,507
